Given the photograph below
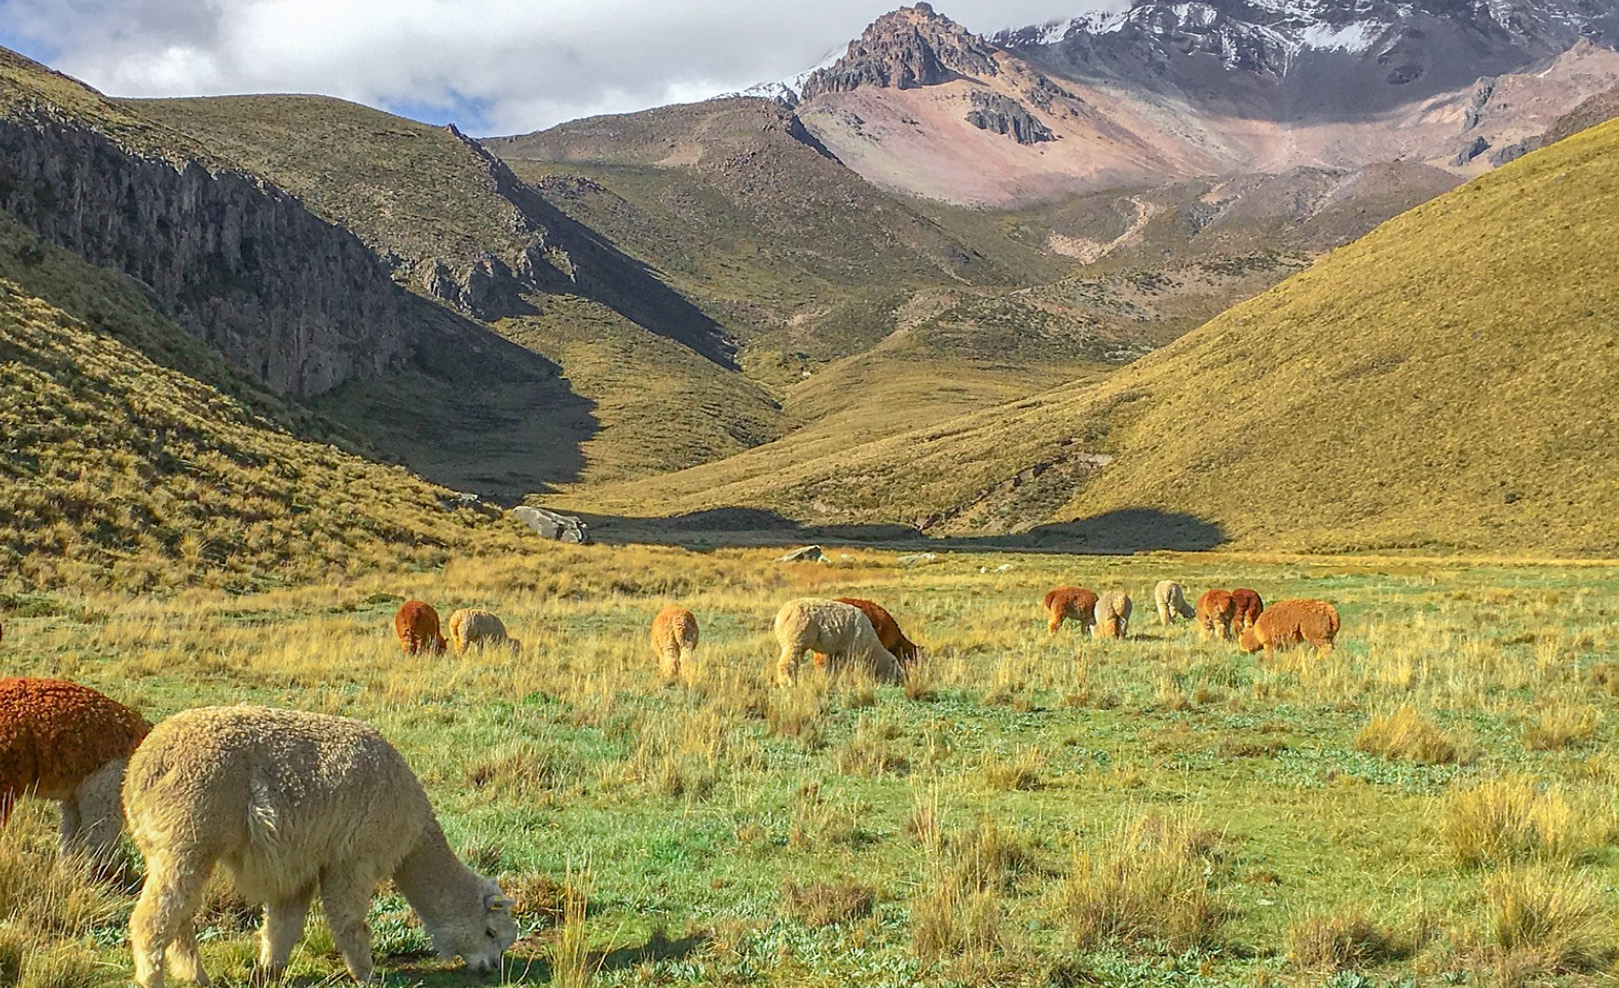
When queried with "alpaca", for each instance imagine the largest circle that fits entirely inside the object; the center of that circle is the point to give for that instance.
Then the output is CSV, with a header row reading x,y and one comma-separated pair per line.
x,y
63,741
841,631
288,802
1171,601
674,639
1286,624
1070,602
1215,611
1249,606
416,624
471,626
1112,615
905,651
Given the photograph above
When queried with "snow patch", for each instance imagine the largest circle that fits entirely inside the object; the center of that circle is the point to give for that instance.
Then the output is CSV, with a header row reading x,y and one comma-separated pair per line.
x,y
1357,36
789,90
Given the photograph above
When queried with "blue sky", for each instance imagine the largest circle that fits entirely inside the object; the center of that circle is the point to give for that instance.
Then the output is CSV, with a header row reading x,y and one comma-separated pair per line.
x,y
489,66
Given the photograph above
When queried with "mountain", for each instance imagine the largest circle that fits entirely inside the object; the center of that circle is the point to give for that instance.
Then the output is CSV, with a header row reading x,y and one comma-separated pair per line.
x,y
1445,382
1163,92
452,223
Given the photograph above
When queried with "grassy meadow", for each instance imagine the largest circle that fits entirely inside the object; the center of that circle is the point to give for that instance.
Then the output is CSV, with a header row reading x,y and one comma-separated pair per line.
x,y
1431,803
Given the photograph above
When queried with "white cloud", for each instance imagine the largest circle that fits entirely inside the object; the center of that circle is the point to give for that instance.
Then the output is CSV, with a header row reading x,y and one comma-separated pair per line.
x,y
498,66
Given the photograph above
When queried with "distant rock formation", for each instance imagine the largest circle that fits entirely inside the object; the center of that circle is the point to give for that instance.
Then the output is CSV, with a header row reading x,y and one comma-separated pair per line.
x,y
1004,115
911,47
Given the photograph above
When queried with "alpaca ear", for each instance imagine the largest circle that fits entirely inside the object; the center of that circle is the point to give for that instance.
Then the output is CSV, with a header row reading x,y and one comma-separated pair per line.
x,y
497,902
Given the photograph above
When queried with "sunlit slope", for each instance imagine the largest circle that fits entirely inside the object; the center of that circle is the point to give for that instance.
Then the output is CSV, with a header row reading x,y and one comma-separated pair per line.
x,y
121,471
1452,379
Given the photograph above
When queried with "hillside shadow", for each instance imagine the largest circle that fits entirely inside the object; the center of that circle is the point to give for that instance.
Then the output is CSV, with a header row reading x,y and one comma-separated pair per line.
x,y
608,276
470,410
1111,533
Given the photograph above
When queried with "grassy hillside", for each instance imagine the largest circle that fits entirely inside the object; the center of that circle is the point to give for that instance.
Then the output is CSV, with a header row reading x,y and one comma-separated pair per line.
x,y
404,187
1445,381
124,470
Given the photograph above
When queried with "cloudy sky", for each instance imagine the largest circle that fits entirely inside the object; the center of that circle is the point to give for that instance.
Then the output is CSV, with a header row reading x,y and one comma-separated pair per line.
x,y
491,66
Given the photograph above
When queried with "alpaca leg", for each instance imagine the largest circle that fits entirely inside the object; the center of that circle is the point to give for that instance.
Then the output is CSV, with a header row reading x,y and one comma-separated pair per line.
x,y
283,928
787,665
1055,621
1163,613
101,814
68,831
346,902
669,661
170,897
186,957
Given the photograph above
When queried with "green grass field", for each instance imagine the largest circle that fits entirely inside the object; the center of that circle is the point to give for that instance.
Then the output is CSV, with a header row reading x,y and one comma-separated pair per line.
x,y
1431,803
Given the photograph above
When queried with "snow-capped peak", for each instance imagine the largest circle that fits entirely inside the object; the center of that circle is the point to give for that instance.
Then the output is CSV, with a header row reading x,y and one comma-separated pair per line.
x,y
787,91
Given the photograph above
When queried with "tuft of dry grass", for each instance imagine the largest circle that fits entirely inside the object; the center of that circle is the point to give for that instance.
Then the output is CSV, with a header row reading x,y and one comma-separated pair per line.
x,y
1562,726
1544,920
1347,938
825,903
1149,880
45,894
1406,735
1517,819
1019,773
571,963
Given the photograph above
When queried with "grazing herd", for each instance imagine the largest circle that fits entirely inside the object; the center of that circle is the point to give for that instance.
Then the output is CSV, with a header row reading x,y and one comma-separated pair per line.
x,y
292,804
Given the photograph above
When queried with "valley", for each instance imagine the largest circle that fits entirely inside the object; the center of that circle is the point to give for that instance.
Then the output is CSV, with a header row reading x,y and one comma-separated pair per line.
x,y
1309,297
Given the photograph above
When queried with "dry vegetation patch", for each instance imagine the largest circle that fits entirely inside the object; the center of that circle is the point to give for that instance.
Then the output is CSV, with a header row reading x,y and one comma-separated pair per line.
x,y
1520,819
1149,880
1406,734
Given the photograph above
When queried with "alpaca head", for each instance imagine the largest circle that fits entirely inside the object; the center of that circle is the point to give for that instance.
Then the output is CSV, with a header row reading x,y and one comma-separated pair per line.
x,y
1249,642
478,930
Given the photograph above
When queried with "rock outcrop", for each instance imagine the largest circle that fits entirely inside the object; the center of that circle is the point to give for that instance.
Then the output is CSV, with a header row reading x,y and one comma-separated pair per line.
x,y
290,299
911,47
1004,115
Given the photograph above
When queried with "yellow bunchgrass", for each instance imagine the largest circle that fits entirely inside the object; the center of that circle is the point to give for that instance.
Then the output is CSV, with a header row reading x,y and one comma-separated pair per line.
x,y
1149,880
1518,819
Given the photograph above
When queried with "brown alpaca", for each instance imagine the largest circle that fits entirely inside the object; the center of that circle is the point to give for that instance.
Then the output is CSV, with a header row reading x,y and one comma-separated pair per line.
x,y
1249,606
905,651
416,624
674,638
63,741
1070,602
1215,610
1290,622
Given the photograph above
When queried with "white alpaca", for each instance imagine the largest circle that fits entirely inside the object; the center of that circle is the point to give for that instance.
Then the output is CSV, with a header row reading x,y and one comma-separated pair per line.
x,y
841,631
471,626
289,802
1171,600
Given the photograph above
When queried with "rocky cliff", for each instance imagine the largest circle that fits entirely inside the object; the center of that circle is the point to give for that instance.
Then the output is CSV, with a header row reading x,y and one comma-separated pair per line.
x,y
905,49
296,302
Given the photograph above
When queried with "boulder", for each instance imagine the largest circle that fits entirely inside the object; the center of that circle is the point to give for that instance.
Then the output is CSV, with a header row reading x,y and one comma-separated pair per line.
x,y
550,525
808,554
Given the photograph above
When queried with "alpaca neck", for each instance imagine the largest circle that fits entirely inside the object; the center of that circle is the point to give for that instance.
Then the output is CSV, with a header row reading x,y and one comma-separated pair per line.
x,y
434,881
